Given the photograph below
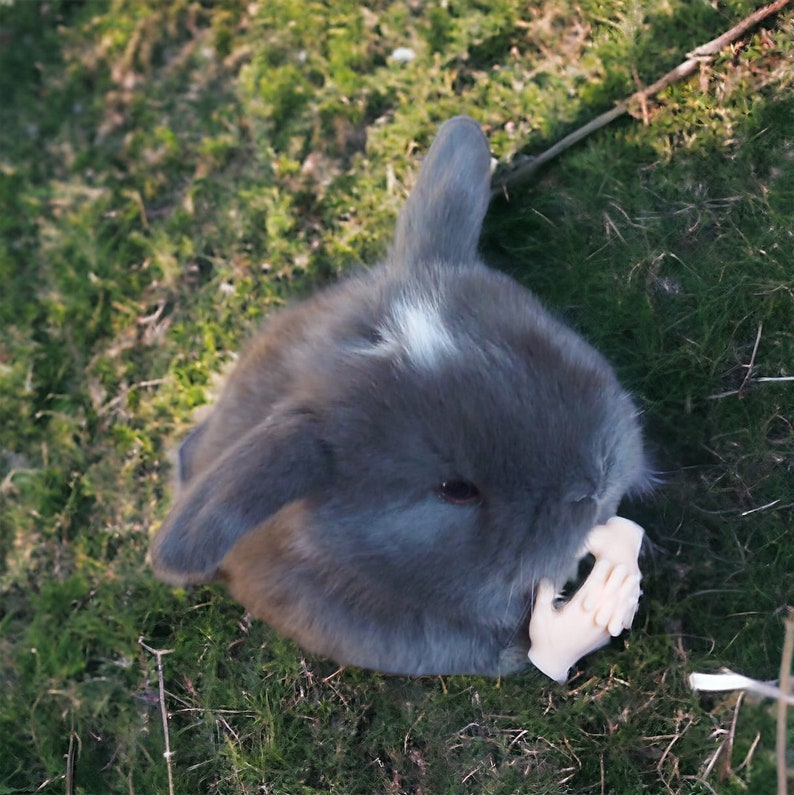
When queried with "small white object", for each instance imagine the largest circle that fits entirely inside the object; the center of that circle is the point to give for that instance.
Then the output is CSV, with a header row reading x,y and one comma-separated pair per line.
x,y
723,681
402,55
728,680
603,606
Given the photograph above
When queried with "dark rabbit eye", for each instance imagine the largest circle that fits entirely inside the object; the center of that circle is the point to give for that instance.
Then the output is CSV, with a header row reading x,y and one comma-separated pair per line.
x,y
459,492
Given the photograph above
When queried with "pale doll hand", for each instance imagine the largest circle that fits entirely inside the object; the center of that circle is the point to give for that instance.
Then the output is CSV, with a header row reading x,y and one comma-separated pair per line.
x,y
604,605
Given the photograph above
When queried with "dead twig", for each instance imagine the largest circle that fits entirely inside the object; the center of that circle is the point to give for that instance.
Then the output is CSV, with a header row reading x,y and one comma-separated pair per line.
x,y
748,375
725,770
71,761
522,172
785,687
760,380
159,654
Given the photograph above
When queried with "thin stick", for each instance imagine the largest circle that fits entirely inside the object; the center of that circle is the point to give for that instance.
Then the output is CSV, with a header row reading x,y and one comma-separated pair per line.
x,y
159,654
603,778
785,687
760,380
725,771
749,373
750,753
71,761
522,172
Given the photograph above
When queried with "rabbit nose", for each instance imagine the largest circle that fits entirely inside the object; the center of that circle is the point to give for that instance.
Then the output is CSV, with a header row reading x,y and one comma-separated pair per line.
x,y
583,491
584,509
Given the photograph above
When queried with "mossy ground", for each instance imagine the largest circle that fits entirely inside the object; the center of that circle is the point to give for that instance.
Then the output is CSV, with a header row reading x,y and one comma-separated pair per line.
x,y
170,172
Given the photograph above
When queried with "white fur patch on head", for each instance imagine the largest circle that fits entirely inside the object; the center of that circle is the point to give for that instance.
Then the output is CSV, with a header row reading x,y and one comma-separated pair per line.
x,y
418,329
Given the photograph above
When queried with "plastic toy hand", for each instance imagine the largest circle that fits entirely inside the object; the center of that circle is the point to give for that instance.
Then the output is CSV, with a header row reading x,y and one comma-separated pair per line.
x,y
604,605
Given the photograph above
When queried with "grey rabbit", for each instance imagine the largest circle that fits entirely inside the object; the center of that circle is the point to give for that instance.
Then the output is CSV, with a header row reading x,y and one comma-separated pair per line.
x,y
397,461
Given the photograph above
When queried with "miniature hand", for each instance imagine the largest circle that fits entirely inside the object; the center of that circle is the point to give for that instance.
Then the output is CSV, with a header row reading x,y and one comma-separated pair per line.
x,y
612,589
619,540
604,605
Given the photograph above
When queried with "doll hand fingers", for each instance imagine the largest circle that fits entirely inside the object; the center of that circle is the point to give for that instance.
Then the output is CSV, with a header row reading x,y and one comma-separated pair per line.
x,y
544,614
598,541
624,606
631,598
545,595
607,597
619,539
590,594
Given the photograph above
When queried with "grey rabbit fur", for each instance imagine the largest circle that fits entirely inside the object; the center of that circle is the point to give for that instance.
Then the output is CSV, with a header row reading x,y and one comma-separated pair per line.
x,y
396,462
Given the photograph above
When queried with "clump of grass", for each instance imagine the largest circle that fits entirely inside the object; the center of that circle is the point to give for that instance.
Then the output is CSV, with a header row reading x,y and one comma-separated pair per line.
x,y
172,172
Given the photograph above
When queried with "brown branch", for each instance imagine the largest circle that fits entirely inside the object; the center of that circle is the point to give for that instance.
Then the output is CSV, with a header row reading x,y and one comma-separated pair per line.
x,y
512,176
71,761
159,654
749,373
785,687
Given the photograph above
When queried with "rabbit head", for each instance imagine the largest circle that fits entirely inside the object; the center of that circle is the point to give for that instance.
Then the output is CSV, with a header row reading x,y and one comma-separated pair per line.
x,y
396,462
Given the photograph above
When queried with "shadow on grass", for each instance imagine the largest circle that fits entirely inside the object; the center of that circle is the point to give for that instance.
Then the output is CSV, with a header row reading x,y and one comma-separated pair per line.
x,y
672,267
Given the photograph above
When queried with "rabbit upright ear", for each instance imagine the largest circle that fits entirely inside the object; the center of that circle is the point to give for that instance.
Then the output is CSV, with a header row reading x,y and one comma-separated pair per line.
x,y
442,218
279,461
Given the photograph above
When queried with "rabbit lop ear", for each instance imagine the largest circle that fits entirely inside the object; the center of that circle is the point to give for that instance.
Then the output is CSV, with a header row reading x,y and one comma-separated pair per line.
x,y
187,454
442,218
276,463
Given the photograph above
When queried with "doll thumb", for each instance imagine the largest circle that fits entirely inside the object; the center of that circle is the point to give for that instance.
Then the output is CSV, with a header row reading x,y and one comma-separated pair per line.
x,y
545,594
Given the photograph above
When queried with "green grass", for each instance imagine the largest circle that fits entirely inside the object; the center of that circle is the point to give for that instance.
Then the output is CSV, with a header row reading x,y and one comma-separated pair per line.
x,y
169,173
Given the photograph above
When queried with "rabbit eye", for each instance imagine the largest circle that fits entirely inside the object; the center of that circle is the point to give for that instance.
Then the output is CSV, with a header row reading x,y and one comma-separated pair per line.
x,y
458,492
374,336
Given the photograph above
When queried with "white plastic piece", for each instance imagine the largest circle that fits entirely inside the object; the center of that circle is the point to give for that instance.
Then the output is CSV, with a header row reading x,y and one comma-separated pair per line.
x,y
728,680
402,55
603,606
